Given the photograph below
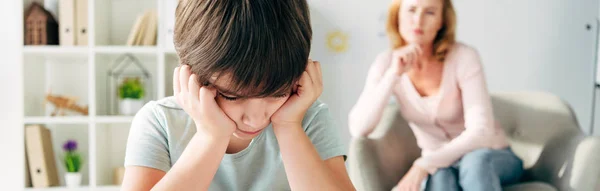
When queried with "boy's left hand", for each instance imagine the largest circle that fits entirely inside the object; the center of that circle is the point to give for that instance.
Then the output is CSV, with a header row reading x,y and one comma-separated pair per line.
x,y
309,88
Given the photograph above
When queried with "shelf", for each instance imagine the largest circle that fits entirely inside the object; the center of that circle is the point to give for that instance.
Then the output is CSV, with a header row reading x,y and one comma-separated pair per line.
x,y
64,76
114,119
126,49
115,19
57,120
83,188
82,72
56,50
107,188
169,51
59,189
110,154
77,120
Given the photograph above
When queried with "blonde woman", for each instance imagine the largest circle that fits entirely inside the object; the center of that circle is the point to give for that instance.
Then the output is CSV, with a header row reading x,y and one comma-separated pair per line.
x,y
440,88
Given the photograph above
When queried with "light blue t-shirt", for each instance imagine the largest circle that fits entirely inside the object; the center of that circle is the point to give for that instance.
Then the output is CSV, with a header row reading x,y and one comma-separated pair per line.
x,y
161,130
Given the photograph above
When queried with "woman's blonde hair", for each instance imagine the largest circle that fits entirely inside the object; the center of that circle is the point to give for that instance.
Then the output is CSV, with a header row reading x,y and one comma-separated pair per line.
x,y
444,39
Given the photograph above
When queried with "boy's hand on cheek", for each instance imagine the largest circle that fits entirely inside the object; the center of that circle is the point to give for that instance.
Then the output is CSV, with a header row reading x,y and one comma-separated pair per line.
x,y
199,102
309,88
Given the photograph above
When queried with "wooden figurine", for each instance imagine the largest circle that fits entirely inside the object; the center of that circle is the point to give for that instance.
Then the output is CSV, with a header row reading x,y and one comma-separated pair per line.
x,y
40,26
62,102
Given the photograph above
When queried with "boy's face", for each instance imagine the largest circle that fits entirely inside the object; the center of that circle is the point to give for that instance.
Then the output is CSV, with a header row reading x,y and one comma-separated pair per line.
x,y
251,115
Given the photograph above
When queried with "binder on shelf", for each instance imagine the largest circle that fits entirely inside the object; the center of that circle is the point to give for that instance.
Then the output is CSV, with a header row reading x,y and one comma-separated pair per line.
x,y
42,165
27,175
66,22
81,20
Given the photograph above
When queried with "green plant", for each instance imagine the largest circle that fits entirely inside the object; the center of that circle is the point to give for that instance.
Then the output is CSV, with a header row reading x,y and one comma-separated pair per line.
x,y
72,157
131,88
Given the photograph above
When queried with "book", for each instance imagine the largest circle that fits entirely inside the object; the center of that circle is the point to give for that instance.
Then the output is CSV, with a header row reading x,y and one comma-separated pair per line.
x,y
144,31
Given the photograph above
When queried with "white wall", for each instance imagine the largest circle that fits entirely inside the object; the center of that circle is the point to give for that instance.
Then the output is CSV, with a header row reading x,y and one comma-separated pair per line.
x,y
11,139
344,73
541,44
597,101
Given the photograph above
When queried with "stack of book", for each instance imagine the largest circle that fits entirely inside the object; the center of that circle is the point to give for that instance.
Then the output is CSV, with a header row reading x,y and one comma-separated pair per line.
x,y
144,31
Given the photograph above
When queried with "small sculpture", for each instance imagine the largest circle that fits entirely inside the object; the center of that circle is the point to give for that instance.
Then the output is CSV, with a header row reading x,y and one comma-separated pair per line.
x,y
64,102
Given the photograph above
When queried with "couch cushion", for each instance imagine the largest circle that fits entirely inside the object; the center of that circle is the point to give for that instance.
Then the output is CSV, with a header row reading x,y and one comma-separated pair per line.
x,y
530,186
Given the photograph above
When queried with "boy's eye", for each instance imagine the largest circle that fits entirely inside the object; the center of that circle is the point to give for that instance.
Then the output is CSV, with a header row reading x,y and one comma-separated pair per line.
x,y
227,97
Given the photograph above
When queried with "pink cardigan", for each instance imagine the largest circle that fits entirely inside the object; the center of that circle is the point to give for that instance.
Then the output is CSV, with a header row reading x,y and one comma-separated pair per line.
x,y
462,122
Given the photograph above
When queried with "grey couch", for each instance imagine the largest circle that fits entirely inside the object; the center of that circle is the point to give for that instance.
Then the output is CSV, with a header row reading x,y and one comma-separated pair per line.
x,y
543,131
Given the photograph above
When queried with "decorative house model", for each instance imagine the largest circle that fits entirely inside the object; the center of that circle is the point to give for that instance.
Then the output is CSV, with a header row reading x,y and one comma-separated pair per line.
x,y
40,26
127,69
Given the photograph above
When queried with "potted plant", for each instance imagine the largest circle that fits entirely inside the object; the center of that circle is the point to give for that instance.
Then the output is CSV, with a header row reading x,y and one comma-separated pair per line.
x,y
131,92
72,161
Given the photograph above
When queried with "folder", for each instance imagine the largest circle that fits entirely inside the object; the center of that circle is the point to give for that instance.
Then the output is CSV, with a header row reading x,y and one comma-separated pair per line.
x,y
66,22
81,20
42,164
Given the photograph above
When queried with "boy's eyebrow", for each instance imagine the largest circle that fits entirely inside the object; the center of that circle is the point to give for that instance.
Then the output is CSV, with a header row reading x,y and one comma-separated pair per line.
x,y
224,91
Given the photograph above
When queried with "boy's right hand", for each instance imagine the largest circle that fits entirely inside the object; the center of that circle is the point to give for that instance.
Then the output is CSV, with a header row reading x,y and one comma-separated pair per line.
x,y
405,58
199,102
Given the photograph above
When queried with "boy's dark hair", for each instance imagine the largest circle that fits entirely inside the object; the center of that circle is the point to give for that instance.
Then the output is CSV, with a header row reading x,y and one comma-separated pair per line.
x,y
261,45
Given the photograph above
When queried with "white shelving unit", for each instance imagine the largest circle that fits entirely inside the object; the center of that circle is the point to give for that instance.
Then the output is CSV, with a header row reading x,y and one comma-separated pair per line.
x,y
81,71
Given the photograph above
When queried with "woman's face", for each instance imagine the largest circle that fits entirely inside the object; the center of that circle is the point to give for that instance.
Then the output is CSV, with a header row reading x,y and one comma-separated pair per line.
x,y
420,20
251,115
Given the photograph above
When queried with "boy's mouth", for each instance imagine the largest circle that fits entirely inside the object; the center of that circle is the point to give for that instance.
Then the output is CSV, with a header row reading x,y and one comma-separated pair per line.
x,y
249,132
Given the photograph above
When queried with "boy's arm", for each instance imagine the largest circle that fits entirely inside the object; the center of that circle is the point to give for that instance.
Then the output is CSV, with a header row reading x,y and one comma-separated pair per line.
x,y
304,167
197,165
194,170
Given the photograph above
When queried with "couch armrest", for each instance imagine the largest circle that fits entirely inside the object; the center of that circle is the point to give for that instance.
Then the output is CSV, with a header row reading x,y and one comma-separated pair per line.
x,y
570,163
379,161
363,165
585,174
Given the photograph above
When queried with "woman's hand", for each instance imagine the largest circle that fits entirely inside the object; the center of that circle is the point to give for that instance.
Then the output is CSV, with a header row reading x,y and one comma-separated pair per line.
x,y
309,88
412,180
199,102
405,58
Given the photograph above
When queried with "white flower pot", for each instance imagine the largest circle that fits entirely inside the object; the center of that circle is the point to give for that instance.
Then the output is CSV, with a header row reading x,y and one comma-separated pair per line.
x,y
73,179
130,106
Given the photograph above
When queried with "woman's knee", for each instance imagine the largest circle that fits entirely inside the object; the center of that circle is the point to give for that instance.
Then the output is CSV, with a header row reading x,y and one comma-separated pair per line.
x,y
444,173
476,161
444,176
443,179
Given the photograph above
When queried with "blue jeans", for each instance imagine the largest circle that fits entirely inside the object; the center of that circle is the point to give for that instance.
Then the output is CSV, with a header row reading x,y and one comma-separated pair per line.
x,y
482,169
